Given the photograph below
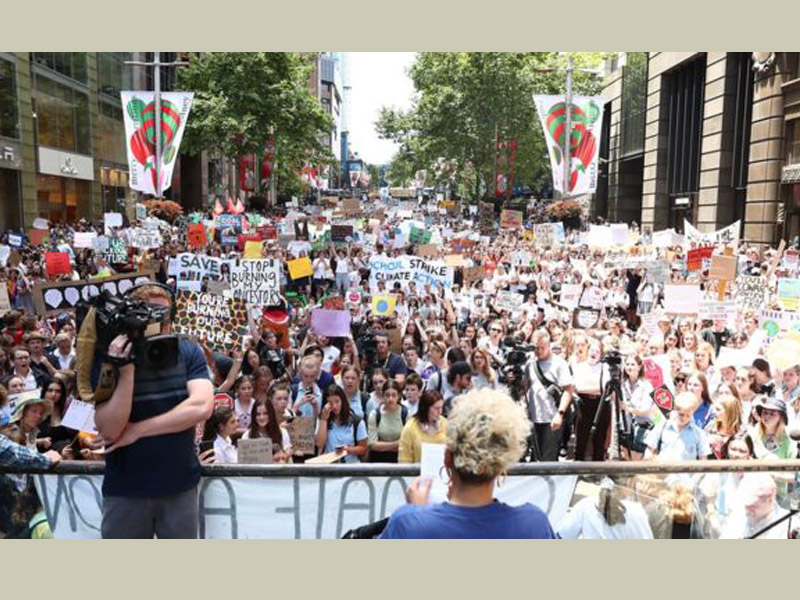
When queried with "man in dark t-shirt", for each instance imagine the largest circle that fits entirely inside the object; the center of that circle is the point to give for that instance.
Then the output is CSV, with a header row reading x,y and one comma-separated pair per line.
x,y
148,424
388,360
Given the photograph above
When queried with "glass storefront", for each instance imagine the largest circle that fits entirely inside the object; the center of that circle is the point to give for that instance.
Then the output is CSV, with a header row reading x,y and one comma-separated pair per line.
x,y
10,212
62,199
113,187
69,64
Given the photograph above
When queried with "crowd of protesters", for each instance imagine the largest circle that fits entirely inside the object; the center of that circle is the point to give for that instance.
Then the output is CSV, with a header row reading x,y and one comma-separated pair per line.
x,y
690,388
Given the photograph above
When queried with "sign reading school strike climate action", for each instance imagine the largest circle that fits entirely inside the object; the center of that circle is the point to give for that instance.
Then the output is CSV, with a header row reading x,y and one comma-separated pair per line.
x,y
220,321
405,269
257,281
139,110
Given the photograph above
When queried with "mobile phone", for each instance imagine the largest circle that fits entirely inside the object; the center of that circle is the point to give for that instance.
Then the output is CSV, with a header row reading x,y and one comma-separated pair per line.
x,y
339,448
206,446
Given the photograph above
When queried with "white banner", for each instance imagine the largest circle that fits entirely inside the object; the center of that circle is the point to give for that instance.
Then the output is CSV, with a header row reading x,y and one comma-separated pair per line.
x,y
405,269
726,235
283,507
138,109
587,124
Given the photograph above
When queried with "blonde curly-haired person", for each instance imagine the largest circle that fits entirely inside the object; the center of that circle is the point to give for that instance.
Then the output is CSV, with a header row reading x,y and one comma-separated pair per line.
x,y
486,433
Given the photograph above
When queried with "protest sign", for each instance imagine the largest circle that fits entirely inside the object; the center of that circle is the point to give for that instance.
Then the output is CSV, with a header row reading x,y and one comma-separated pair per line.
x,y
775,321
405,269
333,303
620,234
714,310
84,239
419,236
79,416
100,244
268,232
39,237
117,251
427,251
228,222
727,235
57,263
351,206
790,260
41,223
383,304
682,299
750,291
600,236
789,294
195,267
654,370
5,303
666,238
299,268
548,234
586,318
146,239
196,235
723,268
111,220
472,274
570,295
279,506
510,301
510,219
15,240
141,211
254,451
257,281
341,233
454,260
243,238
331,323
214,286
221,322
694,258
659,271
301,433
66,294
252,249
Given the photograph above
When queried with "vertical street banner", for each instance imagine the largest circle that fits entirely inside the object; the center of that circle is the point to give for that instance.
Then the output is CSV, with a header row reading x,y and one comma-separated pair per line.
x,y
138,109
501,168
267,163
247,172
584,140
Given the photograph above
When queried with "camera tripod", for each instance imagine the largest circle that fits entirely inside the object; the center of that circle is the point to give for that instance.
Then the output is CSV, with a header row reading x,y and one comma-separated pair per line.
x,y
612,396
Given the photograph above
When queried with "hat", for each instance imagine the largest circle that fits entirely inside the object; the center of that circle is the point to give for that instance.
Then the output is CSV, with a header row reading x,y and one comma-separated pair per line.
x,y
26,399
755,487
761,402
33,335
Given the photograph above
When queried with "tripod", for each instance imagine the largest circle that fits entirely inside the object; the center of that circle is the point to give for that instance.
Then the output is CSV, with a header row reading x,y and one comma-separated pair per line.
x,y
612,397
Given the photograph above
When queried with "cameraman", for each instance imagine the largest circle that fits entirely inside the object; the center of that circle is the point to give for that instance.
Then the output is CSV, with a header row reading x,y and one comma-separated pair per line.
x,y
549,397
389,361
148,426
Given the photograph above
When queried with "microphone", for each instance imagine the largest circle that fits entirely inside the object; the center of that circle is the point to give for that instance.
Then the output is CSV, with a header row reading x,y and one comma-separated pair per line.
x,y
794,432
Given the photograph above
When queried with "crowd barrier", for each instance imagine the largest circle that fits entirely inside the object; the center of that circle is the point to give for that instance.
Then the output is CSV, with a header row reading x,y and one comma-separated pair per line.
x,y
325,501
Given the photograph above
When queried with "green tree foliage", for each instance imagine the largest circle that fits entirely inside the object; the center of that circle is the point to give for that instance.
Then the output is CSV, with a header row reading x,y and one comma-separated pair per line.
x,y
241,98
465,99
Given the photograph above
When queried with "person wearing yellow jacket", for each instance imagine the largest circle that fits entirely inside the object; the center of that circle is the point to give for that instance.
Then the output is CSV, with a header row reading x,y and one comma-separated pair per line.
x,y
427,426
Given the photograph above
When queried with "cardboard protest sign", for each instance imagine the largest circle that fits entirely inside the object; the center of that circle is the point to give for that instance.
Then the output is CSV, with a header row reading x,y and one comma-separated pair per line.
x,y
254,451
510,219
252,249
341,233
39,237
331,323
586,318
789,294
723,268
351,206
301,433
300,267
57,263
220,321
682,299
5,303
117,251
257,281
55,297
196,235
419,236
472,274
750,291
454,260
427,251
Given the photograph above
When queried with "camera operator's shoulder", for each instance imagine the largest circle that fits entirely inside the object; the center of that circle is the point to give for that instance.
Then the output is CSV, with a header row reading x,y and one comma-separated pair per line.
x,y
192,356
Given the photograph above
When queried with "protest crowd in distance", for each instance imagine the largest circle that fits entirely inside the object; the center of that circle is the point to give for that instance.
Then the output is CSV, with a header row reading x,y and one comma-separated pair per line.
x,y
347,330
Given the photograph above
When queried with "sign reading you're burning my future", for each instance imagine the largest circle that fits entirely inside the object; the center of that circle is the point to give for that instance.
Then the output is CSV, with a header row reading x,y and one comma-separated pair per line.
x,y
220,321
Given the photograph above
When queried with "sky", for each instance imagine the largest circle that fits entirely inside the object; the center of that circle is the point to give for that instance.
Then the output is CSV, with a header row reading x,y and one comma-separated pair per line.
x,y
377,79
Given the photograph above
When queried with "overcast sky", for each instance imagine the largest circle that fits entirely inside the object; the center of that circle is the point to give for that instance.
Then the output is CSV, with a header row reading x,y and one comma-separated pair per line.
x,y
377,79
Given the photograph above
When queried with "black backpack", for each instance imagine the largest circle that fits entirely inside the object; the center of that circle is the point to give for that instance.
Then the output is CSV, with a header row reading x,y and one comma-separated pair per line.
x,y
403,415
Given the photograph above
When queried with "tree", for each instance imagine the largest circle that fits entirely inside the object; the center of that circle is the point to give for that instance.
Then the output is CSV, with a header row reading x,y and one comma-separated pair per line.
x,y
465,100
243,98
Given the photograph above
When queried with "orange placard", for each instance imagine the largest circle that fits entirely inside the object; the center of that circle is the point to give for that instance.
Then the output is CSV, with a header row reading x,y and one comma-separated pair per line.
x,y
57,263
197,236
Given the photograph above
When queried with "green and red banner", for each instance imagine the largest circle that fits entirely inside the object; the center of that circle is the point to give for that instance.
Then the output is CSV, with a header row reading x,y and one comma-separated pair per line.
x,y
139,111
584,140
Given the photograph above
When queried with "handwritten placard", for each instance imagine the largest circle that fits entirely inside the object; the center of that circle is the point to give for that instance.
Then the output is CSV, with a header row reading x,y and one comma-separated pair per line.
x,y
301,432
196,235
510,219
300,267
255,452
682,299
57,263
220,321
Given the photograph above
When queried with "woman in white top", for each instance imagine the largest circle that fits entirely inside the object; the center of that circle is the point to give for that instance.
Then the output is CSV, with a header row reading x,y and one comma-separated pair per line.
x,y
243,402
321,268
606,517
219,428
264,424
638,403
342,272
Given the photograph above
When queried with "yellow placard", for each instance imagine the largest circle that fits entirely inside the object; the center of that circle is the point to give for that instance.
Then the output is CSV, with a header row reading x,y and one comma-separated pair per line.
x,y
300,267
383,305
252,249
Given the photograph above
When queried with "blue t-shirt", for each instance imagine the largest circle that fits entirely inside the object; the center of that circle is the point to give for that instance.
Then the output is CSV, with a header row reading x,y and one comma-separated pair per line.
x,y
342,435
446,521
162,465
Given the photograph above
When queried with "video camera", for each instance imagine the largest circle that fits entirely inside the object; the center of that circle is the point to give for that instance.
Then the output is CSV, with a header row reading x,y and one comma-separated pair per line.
x,y
141,322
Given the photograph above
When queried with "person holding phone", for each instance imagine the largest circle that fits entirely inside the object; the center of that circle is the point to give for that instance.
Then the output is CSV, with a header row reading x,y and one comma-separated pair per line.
x,y
219,429
339,429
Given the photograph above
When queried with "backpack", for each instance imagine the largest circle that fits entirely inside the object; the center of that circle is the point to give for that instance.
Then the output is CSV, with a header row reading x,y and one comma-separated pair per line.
x,y
403,415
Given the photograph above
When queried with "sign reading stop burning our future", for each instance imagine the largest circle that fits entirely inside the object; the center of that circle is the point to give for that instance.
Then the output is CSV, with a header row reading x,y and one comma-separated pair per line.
x,y
257,281
405,269
220,321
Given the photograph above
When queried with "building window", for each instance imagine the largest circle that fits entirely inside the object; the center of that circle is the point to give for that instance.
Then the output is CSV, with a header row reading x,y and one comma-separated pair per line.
x,y
62,116
69,64
168,74
10,213
742,119
111,130
634,104
62,199
685,87
113,75
9,114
